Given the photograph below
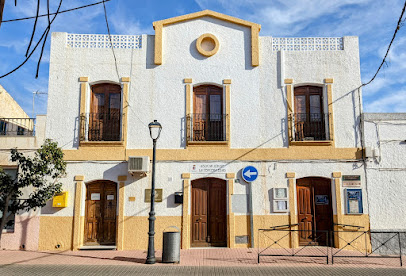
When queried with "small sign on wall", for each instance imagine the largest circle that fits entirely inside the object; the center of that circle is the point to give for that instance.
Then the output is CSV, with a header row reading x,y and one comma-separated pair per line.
x,y
95,196
351,180
321,200
354,201
208,168
158,195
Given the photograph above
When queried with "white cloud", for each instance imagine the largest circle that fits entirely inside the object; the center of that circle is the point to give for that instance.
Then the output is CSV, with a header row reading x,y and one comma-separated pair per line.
x,y
124,26
395,102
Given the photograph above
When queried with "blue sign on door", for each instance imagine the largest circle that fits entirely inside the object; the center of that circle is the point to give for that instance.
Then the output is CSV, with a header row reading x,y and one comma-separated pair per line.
x,y
249,173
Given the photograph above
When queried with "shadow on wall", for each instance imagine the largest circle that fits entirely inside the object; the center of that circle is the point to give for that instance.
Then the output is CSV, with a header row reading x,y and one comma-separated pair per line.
x,y
183,127
113,172
76,133
150,48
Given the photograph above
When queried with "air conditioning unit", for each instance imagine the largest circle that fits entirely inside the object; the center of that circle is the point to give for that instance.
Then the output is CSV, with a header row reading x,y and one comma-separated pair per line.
x,y
138,164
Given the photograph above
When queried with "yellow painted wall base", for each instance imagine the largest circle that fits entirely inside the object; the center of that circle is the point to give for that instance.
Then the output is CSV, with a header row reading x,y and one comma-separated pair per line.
x,y
59,230
136,231
54,231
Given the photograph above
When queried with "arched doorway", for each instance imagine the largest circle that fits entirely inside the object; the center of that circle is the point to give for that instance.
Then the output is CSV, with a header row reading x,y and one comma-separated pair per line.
x,y
209,211
314,209
100,216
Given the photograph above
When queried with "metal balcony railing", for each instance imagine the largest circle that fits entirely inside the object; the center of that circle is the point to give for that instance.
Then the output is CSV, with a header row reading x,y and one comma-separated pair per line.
x,y
310,126
207,127
17,126
100,126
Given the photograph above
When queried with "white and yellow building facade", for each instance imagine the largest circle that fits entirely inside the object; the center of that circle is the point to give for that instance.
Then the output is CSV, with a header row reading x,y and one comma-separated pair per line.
x,y
226,98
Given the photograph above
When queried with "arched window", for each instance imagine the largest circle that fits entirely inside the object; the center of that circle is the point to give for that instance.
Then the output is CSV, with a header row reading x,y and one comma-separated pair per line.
x,y
105,113
310,120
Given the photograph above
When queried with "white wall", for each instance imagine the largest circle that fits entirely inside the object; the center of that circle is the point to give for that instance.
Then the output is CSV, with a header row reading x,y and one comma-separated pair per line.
x,y
258,104
168,178
385,134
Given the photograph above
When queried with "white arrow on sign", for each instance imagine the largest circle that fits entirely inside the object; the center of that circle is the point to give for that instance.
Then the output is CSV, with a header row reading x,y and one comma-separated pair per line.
x,y
250,173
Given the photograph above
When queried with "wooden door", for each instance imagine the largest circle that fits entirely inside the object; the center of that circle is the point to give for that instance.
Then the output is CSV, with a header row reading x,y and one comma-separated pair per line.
x,y
217,213
101,202
315,213
209,223
323,210
305,212
200,195
208,113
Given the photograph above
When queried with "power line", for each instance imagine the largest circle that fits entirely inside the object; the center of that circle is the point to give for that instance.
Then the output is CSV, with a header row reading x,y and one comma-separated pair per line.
x,y
42,15
111,42
398,26
39,41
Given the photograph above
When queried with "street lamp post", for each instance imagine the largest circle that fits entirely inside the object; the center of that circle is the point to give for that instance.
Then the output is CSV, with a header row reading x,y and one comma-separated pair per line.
x,y
154,131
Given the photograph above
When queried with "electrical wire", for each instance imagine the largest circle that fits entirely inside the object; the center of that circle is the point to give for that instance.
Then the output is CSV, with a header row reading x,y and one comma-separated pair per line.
x,y
28,57
42,15
111,42
398,26
33,30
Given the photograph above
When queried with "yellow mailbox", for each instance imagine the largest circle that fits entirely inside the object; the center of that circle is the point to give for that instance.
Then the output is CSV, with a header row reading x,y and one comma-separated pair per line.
x,y
60,200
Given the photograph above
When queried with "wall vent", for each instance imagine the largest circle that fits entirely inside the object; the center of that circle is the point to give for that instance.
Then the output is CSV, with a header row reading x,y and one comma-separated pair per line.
x,y
138,164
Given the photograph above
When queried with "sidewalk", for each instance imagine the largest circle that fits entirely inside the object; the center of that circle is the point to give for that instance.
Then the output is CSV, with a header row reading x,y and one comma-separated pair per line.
x,y
223,257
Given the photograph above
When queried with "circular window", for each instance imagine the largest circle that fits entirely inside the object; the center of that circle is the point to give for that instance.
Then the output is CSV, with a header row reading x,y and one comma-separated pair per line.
x,y
207,45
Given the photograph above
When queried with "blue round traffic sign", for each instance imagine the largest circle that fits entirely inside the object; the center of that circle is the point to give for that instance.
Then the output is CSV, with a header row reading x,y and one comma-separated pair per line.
x,y
249,173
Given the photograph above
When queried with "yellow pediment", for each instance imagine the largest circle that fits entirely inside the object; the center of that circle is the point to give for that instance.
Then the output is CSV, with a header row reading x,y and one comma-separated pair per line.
x,y
255,28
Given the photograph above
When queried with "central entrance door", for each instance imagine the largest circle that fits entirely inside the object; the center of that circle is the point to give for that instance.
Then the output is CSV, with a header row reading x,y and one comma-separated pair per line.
x,y
101,202
209,223
315,214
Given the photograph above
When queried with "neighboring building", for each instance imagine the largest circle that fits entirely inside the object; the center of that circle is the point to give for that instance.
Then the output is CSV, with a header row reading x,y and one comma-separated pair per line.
x,y
385,142
227,98
18,130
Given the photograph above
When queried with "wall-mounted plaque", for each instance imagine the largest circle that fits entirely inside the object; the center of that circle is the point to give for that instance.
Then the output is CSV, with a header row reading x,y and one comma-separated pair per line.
x,y
321,200
158,195
110,197
354,201
351,180
208,168
95,196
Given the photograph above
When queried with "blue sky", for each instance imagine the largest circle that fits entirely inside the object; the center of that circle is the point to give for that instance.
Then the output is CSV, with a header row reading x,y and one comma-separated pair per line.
x,y
373,21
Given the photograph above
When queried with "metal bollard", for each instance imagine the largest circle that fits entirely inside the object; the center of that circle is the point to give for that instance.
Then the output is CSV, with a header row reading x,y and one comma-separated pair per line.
x,y
171,246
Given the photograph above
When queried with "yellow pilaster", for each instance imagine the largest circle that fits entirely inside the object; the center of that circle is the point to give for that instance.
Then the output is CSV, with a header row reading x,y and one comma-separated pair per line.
x,y
292,210
289,104
188,95
125,82
120,225
227,83
77,240
254,46
185,212
339,217
83,87
231,219
329,83
158,44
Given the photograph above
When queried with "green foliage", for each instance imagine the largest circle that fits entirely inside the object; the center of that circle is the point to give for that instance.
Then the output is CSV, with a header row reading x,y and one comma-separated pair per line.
x,y
39,173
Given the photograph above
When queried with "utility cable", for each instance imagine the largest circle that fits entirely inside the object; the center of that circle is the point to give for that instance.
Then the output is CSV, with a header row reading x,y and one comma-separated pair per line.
x,y
111,42
42,15
33,30
39,41
398,26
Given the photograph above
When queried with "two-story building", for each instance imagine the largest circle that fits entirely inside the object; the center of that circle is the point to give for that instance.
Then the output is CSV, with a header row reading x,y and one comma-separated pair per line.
x,y
226,98
18,130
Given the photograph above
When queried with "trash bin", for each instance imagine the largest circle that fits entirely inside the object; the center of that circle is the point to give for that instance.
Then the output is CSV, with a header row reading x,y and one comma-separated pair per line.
x,y
171,246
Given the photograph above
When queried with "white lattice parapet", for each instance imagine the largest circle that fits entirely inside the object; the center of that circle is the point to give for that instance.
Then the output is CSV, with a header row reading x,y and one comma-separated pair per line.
x,y
103,41
307,43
